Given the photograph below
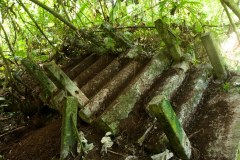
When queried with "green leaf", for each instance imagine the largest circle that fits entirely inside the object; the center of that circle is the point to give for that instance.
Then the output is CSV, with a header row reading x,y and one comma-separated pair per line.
x,y
20,53
50,24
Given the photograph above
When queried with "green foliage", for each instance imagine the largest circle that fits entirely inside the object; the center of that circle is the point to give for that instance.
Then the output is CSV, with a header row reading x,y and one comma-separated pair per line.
x,y
226,86
109,43
187,19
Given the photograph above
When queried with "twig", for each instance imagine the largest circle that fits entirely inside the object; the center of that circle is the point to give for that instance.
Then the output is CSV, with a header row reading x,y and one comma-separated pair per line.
x,y
135,27
142,139
129,27
195,133
78,136
223,25
55,14
83,15
14,130
65,11
8,75
119,154
15,28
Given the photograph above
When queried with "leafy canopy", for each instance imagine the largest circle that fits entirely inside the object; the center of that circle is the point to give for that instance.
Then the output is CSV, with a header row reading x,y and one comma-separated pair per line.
x,y
21,37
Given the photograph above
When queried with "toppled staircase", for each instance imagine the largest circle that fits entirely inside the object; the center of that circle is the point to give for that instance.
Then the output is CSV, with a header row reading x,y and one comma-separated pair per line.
x,y
120,89
116,93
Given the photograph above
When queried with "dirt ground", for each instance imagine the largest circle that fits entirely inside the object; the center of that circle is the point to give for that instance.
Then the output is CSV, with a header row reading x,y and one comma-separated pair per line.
x,y
43,142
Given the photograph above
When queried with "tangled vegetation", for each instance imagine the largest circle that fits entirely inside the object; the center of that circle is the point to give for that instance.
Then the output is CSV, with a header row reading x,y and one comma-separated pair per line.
x,y
42,30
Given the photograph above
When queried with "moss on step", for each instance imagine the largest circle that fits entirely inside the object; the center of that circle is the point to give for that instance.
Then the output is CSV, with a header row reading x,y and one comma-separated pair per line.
x,y
66,83
69,122
124,104
98,102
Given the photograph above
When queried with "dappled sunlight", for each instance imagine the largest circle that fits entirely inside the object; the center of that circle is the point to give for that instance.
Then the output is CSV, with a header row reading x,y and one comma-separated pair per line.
x,y
231,52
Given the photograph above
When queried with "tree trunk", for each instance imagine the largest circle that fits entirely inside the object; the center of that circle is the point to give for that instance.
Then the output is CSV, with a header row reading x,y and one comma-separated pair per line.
x,y
233,6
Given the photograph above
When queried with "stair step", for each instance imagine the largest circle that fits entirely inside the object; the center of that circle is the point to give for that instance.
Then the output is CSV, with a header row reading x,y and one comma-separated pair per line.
x,y
109,91
80,67
175,78
165,85
215,130
95,84
93,70
190,95
65,82
195,85
124,104
73,62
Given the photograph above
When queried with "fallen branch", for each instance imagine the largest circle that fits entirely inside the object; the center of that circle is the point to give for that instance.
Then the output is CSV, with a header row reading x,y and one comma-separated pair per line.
x,y
3,119
233,6
230,20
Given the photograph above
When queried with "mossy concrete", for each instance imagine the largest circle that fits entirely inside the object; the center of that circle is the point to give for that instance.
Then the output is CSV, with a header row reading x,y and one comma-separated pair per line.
x,y
187,108
177,137
38,73
69,122
66,83
214,55
169,39
198,86
124,104
215,129
237,156
96,104
172,83
95,84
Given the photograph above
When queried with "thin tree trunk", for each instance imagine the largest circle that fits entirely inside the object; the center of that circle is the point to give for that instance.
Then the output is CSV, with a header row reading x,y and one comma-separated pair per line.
x,y
65,11
35,22
104,16
233,6
230,20
7,72
8,43
55,14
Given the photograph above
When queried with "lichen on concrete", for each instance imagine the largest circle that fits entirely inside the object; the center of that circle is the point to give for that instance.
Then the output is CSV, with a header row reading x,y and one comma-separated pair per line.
x,y
198,87
172,83
163,111
124,104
